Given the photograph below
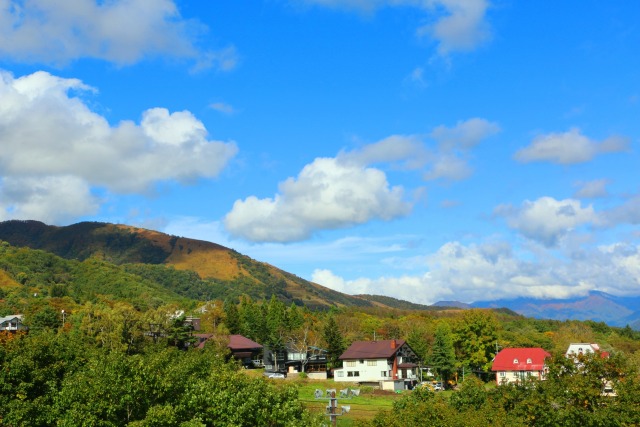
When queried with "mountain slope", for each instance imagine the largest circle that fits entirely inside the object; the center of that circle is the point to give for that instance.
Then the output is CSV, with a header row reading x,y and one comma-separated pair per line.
x,y
220,272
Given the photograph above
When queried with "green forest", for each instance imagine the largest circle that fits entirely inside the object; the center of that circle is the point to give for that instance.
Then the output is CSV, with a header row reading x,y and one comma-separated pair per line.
x,y
91,357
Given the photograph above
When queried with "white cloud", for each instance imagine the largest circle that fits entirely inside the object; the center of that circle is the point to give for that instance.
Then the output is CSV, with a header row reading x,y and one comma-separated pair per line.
x,y
627,213
592,189
50,199
333,193
494,271
119,31
546,220
327,194
462,28
49,134
569,148
223,108
466,134
460,25
407,149
451,159
448,166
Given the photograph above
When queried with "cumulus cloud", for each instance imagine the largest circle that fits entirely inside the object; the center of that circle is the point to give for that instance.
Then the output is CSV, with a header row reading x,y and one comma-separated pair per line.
x,y
343,191
569,148
51,135
451,159
458,25
50,199
546,220
327,194
494,270
119,31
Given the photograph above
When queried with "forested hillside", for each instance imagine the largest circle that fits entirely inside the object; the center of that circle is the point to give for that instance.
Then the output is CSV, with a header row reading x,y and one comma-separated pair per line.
x,y
192,268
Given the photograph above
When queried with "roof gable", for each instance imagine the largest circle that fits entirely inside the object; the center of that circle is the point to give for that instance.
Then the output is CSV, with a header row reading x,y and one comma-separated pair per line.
x,y
239,342
520,359
578,348
11,318
373,349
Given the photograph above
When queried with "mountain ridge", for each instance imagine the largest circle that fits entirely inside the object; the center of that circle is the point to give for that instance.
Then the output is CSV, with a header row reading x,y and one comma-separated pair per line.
x,y
597,306
222,272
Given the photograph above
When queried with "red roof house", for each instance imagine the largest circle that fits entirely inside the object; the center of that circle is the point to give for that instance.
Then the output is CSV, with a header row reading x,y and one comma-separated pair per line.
x,y
514,365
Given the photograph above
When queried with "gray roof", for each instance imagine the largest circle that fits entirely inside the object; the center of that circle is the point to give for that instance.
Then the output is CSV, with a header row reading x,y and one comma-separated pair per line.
x,y
11,317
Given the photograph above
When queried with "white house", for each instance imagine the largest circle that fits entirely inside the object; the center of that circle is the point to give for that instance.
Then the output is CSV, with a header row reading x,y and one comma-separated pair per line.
x,y
515,365
577,349
12,323
388,364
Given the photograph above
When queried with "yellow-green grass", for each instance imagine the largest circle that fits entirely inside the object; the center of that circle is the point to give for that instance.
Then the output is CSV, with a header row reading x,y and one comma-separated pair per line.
x,y
363,407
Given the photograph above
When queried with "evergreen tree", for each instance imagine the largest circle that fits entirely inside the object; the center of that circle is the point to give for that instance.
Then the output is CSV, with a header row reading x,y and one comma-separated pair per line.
x,y
334,340
232,317
295,318
443,357
276,323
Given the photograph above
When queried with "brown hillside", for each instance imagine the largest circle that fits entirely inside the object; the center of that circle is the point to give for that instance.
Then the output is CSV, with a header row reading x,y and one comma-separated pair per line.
x,y
209,260
6,281
231,273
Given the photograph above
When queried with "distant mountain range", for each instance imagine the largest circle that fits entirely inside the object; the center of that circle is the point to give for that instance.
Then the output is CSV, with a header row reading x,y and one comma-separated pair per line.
x,y
596,306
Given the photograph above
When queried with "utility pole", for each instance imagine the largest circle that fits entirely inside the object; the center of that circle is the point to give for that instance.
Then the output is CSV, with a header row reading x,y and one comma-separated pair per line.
x,y
332,409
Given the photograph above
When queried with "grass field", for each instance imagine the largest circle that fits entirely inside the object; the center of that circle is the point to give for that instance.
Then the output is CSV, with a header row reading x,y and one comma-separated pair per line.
x,y
363,407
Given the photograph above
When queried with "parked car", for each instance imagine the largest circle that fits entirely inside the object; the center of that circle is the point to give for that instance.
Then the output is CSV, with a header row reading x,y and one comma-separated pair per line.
x,y
438,387
276,375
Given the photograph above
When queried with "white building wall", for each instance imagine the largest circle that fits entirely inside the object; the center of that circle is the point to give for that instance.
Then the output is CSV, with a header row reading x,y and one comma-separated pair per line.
x,y
581,348
367,370
506,377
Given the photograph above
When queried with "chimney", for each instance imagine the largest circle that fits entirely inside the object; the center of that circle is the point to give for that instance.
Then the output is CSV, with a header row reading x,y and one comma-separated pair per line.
x,y
393,343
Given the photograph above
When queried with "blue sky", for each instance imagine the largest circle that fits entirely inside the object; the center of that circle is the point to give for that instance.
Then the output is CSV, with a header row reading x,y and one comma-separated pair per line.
x,y
422,149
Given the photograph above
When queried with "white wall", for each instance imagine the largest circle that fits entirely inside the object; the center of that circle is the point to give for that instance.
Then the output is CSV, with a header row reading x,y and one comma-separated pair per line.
x,y
367,370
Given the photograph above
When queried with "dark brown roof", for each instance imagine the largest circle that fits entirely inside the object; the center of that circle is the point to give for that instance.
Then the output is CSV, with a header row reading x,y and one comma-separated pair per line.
x,y
372,349
407,365
238,343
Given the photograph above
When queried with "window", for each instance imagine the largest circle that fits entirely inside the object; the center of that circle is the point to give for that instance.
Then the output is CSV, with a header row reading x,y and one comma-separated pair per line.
x,y
529,361
351,363
503,374
515,361
340,373
383,374
353,373
372,362
361,361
